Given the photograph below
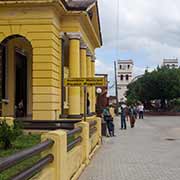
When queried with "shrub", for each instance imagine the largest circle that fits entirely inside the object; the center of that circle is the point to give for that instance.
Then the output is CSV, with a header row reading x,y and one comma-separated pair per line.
x,y
17,128
9,134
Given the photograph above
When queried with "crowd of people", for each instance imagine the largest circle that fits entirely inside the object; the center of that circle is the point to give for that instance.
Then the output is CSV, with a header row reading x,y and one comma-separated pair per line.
x,y
127,114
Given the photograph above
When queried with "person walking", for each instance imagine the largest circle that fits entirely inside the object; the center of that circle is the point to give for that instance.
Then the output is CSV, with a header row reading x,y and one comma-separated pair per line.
x,y
135,111
127,113
141,111
88,104
107,119
123,116
112,113
132,116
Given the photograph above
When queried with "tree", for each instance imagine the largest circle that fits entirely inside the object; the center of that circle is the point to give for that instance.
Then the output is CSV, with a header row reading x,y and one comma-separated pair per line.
x,y
162,83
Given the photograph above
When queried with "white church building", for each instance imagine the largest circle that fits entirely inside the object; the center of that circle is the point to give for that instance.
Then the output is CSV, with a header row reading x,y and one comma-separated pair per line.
x,y
124,77
170,63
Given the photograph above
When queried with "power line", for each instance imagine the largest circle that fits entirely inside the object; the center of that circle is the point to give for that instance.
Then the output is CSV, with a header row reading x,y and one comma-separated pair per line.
x,y
117,30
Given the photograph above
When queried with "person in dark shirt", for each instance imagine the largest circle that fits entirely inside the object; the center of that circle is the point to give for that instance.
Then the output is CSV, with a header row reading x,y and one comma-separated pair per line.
x,y
88,104
123,116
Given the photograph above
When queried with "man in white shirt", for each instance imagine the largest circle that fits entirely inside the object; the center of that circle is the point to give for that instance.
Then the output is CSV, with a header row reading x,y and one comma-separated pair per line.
x,y
141,111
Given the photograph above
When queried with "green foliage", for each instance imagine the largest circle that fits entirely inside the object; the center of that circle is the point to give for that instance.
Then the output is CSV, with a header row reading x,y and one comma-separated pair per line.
x,y
8,134
17,128
22,142
162,83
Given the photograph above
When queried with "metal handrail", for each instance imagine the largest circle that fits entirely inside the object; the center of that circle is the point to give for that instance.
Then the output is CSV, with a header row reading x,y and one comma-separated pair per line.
x,y
74,131
25,154
34,169
92,123
49,121
47,127
74,143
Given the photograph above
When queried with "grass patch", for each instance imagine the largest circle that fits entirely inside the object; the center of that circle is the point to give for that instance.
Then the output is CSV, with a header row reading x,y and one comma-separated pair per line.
x,y
21,143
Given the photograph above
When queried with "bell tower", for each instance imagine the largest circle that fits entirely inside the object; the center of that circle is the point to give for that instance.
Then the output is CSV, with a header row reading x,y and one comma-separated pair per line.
x,y
124,77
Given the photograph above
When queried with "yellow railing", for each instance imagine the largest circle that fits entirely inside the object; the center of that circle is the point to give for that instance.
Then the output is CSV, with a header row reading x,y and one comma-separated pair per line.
x,y
71,157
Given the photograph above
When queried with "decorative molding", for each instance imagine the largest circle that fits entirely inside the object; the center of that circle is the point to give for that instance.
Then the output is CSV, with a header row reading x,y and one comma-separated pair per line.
x,y
74,35
83,45
88,53
93,58
62,35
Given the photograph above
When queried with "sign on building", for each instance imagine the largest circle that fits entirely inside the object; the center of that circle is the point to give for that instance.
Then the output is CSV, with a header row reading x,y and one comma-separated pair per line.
x,y
95,81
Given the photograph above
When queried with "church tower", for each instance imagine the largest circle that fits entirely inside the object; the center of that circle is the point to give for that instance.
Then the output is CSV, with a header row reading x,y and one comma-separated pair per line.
x,y
124,77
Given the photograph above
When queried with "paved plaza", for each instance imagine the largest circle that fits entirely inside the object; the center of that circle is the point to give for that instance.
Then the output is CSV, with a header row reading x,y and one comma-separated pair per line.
x,y
150,151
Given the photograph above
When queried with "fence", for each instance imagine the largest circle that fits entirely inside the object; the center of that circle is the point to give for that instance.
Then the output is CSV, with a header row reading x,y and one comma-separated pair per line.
x,y
26,154
48,124
65,153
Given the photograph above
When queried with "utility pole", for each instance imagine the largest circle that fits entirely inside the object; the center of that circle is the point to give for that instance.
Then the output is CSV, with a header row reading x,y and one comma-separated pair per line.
x,y
116,88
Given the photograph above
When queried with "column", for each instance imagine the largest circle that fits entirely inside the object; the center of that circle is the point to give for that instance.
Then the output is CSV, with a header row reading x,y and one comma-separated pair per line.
x,y
93,88
83,73
89,74
74,72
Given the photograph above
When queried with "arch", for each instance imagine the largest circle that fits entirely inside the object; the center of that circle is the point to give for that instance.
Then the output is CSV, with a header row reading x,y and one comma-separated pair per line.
x,y
121,77
10,37
16,54
127,77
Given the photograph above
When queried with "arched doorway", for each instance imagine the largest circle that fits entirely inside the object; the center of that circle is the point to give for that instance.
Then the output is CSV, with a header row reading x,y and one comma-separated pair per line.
x,y
16,76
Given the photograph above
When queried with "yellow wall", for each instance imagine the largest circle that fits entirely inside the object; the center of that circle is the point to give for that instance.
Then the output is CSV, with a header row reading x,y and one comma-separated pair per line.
x,y
74,160
41,26
43,34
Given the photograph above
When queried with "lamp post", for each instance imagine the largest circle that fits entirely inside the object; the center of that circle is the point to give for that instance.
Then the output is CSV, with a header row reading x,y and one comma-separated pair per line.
x,y
98,91
116,88
98,104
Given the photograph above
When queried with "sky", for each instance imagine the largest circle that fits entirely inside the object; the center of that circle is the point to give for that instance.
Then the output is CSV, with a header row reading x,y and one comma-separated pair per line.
x,y
146,31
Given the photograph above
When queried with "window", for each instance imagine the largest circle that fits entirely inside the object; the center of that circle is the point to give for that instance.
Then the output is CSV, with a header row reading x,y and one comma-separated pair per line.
x,y
121,77
120,67
127,77
128,66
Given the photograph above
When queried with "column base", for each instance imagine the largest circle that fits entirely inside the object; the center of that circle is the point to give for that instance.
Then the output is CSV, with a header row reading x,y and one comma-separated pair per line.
x,y
72,116
91,114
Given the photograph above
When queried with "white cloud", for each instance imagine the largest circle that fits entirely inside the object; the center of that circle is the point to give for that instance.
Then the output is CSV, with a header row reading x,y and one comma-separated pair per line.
x,y
149,31
105,68
140,71
152,27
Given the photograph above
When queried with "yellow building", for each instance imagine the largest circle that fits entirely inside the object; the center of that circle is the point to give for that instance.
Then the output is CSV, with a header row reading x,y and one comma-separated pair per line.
x,y
41,43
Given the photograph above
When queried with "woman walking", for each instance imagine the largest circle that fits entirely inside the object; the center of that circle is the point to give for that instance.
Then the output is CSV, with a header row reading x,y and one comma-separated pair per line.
x,y
132,116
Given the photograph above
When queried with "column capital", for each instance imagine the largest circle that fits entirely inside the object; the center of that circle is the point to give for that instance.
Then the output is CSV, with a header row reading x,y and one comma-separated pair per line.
x,y
74,35
83,45
93,58
62,35
88,53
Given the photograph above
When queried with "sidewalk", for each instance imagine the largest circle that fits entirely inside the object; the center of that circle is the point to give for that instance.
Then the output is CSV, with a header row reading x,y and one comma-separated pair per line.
x,y
142,153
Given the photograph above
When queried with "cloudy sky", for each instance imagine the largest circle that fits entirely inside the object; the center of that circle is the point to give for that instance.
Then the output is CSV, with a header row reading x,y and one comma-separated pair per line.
x,y
148,31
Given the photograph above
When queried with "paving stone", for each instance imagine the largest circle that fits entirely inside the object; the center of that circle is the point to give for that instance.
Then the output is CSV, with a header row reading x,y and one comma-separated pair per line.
x,y
141,153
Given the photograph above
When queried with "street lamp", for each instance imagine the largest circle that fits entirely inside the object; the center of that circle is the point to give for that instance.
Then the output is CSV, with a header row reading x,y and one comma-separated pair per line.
x,y
99,90
98,103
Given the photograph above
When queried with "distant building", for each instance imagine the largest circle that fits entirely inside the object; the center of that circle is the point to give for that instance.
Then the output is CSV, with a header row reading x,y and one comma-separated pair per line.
x,y
124,77
170,63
